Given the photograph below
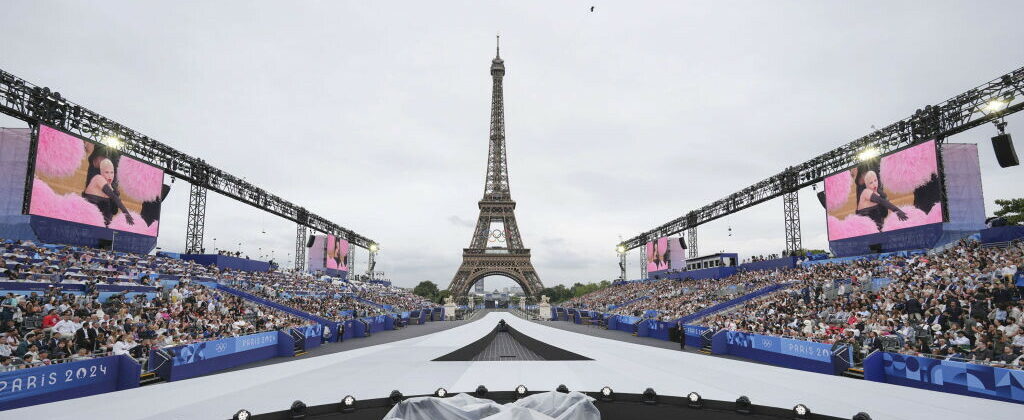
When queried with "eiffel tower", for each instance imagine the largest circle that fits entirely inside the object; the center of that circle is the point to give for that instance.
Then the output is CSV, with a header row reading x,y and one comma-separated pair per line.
x,y
496,248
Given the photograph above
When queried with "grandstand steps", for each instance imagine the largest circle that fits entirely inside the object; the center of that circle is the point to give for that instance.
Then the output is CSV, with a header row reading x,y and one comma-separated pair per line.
x,y
299,353
149,378
706,350
855,373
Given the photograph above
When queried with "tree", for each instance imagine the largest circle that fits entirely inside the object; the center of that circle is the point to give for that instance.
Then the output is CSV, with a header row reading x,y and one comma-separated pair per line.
x,y
426,288
1012,210
442,295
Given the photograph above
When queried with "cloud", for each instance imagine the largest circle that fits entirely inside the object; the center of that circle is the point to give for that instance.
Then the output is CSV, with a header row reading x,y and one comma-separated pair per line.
x,y
458,221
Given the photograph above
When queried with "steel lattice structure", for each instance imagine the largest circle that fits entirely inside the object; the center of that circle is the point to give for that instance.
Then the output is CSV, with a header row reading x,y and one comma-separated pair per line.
x,y
37,105
955,115
512,261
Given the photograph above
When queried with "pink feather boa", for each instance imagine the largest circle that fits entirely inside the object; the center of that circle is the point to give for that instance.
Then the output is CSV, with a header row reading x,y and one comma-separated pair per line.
x,y
837,189
904,171
71,207
138,180
915,217
58,155
852,225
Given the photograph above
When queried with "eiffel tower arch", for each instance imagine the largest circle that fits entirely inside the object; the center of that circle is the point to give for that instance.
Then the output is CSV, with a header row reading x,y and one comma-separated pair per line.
x,y
496,248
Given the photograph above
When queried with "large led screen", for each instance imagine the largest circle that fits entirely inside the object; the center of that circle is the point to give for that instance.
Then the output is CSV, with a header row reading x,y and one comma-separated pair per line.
x,y
337,253
317,254
896,191
90,183
656,258
676,255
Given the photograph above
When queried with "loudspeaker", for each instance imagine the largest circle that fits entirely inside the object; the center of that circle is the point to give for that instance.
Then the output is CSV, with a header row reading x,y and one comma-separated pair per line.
x,y
309,242
1003,146
682,242
821,198
876,248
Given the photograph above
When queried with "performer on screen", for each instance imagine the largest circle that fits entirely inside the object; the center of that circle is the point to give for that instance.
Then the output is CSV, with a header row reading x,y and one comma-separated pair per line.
x,y
102,192
872,202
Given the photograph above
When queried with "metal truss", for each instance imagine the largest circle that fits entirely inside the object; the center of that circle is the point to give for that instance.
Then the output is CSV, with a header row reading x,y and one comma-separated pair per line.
x,y
791,214
196,220
955,115
300,247
38,105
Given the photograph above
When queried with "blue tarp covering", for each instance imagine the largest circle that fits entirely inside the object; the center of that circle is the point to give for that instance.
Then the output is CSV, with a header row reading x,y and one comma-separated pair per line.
x,y
1002,234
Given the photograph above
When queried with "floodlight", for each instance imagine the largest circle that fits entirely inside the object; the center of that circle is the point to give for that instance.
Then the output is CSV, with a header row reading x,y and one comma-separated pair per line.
x,y
298,410
607,394
481,391
649,396
620,249
395,397
996,105
801,412
868,154
861,416
242,415
521,390
693,400
563,389
113,142
441,393
374,248
743,405
348,404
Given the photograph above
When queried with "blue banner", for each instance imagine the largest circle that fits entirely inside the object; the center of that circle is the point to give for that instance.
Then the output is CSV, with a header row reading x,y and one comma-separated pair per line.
x,y
192,353
946,376
62,381
810,350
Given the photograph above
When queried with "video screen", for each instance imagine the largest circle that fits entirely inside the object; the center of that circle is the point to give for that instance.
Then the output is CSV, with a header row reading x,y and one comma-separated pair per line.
x,y
656,258
897,191
90,183
317,254
676,255
337,253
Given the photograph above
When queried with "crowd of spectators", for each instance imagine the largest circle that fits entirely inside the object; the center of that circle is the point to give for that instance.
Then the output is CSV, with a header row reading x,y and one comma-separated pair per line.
x,y
958,304
52,327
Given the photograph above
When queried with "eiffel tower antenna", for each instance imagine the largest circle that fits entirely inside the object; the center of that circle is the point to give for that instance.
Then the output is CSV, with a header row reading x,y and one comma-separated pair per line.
x,y
505,255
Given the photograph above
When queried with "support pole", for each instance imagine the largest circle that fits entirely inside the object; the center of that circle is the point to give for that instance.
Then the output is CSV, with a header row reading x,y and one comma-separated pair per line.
x,y
371,262
196,220
643,262
691,243
791,214
300,247
622,265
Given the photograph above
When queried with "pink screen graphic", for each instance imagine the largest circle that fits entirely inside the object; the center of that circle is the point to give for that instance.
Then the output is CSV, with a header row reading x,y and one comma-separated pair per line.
x,y
656,258
92,184
897,191
337,253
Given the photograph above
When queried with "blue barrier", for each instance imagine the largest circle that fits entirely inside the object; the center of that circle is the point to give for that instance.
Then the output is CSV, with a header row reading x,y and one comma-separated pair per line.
x,y
693,334
191,360
312,335
786,352
224,261
779,263
724,305
1001,234
46,384
653,328
330,325
946,376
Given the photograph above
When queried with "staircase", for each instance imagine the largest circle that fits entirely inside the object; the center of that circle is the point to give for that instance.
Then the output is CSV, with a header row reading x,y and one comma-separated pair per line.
x,y
706,349
299,348
149,378
854,372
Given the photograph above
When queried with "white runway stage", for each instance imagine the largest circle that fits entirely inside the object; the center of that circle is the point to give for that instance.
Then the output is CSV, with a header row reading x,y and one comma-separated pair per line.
x,y
372,372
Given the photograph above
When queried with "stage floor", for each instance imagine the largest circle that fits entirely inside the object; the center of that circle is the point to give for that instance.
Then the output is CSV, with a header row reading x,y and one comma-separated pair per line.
x,y
373,372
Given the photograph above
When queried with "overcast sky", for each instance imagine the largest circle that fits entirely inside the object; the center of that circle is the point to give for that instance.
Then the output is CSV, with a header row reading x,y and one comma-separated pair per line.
x,y
376,115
